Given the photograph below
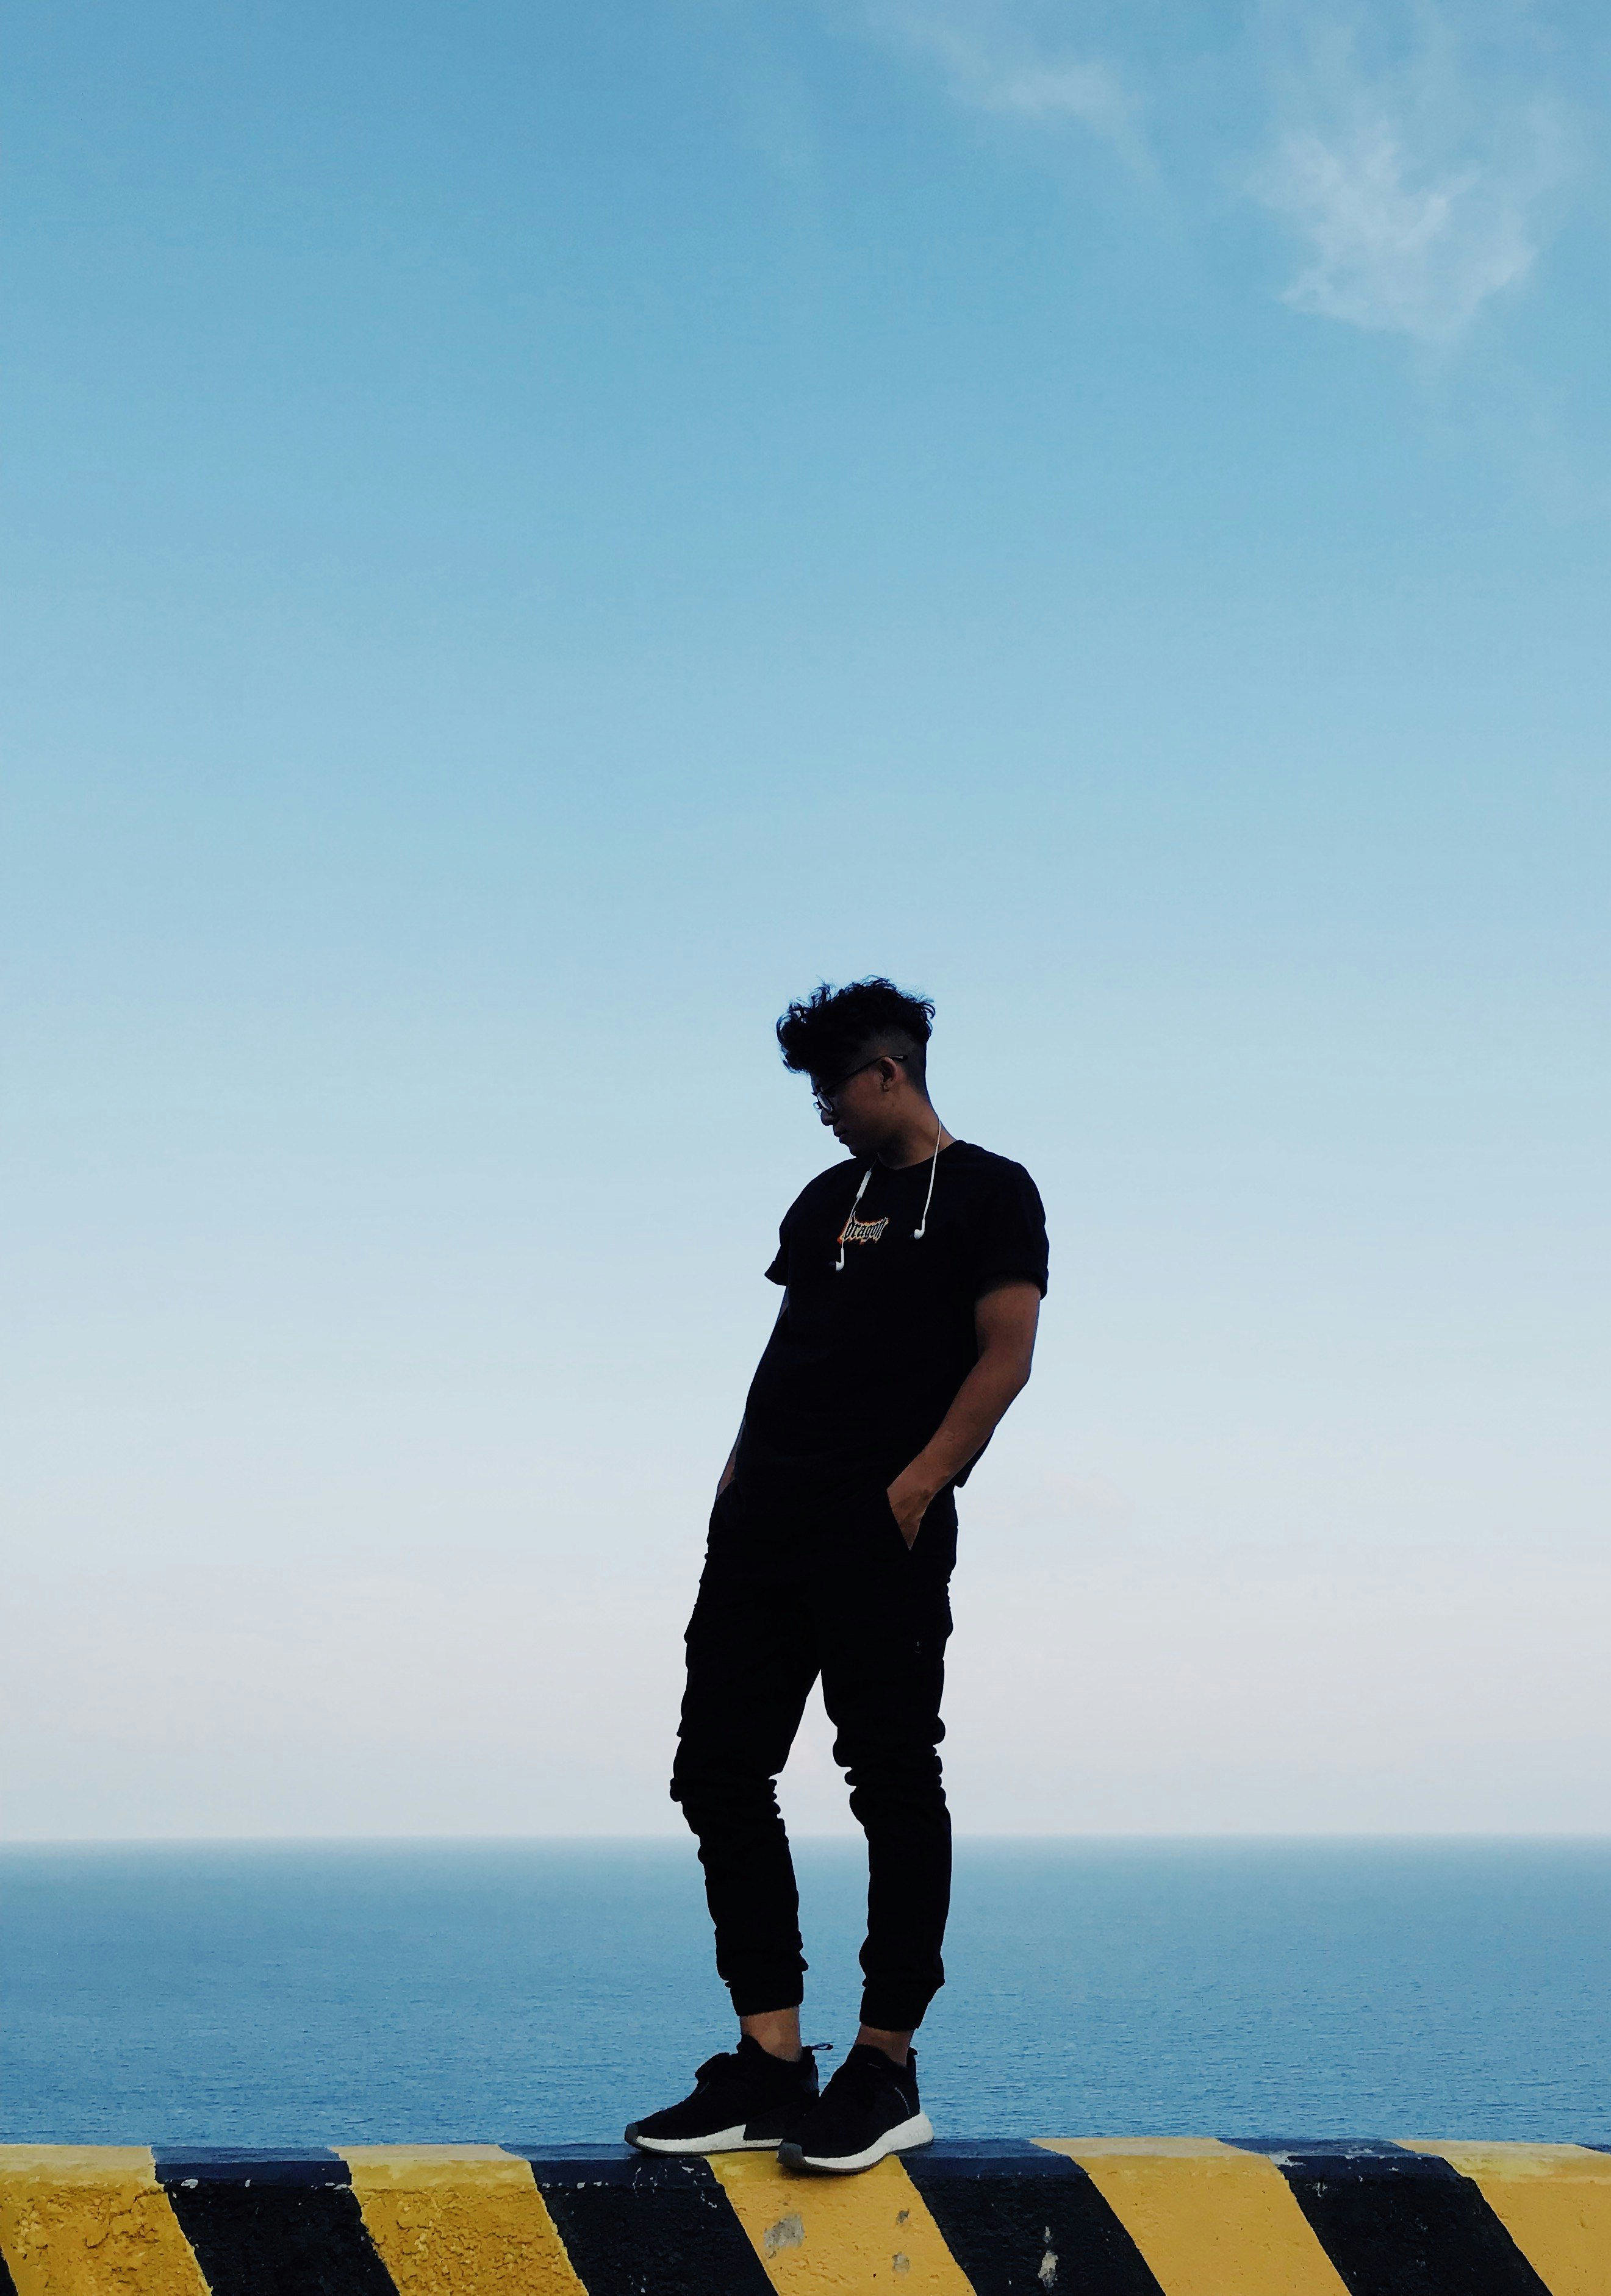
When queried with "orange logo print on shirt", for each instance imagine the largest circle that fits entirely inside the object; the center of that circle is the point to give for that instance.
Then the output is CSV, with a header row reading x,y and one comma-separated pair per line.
x,y
855,1231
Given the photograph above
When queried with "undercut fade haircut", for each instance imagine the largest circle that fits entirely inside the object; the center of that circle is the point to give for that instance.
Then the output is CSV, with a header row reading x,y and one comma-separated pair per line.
x,y
833,1031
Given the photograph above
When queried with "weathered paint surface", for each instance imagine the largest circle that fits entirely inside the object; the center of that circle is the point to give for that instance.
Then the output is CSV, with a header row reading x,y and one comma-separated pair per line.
x,y
90,2222
1553,2200
448,2220
1397,2223
262,2222
1205,2217
634,2224
1022,2221
842,2232
1101,2217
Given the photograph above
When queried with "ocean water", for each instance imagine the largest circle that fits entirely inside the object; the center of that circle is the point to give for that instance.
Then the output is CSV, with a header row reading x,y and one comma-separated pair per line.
x,y
311,1993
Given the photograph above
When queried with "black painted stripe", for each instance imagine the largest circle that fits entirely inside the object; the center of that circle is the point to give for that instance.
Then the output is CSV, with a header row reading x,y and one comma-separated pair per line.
x,y
635,2224
234,2164
1324,2148
273,2224
1400,2223
1020,2220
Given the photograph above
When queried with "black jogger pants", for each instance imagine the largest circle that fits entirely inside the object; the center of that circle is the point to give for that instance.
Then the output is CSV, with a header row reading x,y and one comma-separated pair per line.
x,y
797,1585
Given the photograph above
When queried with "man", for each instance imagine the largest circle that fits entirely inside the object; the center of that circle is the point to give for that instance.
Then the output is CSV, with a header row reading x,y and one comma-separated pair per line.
x,y
913,1278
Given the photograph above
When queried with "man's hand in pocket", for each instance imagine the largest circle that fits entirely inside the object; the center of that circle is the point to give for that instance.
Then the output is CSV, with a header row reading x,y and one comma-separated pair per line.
x,y
909,1499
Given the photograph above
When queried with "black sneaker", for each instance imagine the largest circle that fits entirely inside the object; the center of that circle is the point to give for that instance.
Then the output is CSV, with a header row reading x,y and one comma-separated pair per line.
x,y
746,2101
869,2108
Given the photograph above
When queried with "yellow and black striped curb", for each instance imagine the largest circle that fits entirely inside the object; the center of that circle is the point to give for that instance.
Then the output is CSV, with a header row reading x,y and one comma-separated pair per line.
x,y
1182,2216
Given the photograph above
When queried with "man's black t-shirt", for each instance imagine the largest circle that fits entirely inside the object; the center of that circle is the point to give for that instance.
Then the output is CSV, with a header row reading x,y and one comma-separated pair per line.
x,y
865,1361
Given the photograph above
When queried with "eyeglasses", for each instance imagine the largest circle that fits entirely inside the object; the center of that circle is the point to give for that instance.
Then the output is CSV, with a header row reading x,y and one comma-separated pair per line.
x,y
823,1102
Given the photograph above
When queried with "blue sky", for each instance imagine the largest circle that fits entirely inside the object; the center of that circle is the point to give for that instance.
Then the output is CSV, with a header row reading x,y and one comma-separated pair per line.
x,y
532,535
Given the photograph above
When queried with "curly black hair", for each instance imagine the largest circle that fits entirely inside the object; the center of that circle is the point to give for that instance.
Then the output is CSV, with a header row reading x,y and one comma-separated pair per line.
x,y
833,1031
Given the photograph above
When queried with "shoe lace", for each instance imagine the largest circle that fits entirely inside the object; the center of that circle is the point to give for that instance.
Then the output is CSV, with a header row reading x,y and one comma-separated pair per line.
x,y
727,2060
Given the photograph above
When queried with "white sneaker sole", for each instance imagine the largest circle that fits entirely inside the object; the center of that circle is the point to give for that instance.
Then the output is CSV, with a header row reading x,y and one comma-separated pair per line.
x,y
906,2136
721,2140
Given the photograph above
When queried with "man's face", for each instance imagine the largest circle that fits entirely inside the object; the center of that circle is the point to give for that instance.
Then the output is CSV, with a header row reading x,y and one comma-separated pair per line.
x,y
856,1106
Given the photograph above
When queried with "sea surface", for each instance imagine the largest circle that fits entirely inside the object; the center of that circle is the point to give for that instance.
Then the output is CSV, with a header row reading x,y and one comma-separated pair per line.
x,y
289,1994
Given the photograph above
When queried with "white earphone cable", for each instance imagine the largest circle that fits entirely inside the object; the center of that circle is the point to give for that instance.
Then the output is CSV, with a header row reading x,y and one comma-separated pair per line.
x,y
850,1216
917,1232
928,1199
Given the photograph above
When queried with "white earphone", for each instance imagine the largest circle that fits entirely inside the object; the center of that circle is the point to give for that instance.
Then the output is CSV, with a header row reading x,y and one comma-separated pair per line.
x,y
921,1228
928,1199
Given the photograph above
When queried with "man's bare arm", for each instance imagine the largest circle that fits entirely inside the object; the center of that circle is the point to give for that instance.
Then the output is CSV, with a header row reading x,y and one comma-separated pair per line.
x,y
1004,1321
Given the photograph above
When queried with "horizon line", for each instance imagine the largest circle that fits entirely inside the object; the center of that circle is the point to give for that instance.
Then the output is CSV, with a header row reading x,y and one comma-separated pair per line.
x,y
849,1839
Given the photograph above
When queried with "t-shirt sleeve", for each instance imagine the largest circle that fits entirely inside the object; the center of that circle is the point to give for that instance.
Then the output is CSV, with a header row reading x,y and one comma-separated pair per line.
x,y
1010,1244
779,1272
788,1228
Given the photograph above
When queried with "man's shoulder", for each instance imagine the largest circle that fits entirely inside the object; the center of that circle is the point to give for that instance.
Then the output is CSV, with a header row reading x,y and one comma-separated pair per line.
x,y
983,1164
826,1183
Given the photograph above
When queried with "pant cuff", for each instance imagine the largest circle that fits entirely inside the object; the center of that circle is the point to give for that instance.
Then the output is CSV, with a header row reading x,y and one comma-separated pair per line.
x,y
893,2012
751,2000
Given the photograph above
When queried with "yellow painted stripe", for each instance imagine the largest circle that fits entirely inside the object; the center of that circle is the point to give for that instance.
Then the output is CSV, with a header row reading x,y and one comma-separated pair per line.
x,y
849,2234
1553,2200
78,2221
1206,2218
453,2219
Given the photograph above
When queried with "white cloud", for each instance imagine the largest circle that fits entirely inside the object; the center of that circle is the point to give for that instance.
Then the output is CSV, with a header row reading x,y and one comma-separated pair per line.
x,y
1415,153
1420,187
998,58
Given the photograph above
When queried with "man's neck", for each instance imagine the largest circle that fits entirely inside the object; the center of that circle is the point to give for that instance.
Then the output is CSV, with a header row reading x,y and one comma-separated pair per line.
x,y
915,1142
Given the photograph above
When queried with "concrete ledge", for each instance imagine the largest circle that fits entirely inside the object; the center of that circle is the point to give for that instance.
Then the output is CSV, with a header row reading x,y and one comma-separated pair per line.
x,y
1090,2216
